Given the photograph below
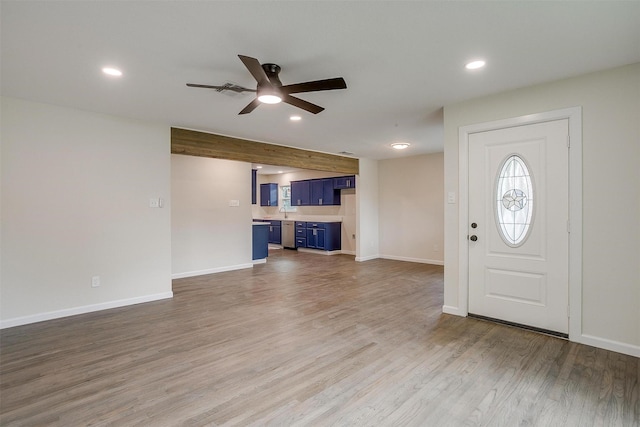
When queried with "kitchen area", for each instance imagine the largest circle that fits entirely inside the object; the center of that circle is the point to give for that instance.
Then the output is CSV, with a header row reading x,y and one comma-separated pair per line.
x,y
302,210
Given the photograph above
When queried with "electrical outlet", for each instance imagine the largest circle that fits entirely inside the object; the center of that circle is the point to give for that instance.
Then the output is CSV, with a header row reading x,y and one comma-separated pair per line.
x,y
95,281
154,203
234,203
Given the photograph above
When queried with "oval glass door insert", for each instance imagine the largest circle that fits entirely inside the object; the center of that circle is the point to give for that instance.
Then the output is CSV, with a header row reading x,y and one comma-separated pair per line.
x,y
514,200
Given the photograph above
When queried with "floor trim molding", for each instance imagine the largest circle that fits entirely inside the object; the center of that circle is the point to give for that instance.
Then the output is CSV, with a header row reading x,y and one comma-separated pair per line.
x,y
41,317
211,270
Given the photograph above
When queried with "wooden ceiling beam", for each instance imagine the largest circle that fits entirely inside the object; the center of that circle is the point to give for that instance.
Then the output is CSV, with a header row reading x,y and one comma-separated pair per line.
x,y
202,144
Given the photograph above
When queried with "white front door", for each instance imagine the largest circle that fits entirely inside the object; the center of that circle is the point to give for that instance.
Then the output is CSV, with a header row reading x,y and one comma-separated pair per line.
x,y
518,225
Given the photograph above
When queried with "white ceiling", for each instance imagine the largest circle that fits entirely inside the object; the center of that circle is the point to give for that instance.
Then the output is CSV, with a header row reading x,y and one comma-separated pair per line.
x,y
402,61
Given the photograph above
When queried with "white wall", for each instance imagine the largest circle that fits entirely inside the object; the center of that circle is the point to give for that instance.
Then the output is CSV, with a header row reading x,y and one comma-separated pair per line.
x,y
208,235
367,205
345,212
610,103
75,204
412,208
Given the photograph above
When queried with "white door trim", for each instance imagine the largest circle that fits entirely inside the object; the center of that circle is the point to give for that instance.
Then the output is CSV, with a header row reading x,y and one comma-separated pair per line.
x,y
574,115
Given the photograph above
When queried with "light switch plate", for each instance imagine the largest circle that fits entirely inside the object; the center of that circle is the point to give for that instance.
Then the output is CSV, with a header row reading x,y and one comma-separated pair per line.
x,y
234,203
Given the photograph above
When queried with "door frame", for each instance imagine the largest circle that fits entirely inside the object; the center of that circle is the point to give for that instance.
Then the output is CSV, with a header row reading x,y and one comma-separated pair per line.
x,y
574,116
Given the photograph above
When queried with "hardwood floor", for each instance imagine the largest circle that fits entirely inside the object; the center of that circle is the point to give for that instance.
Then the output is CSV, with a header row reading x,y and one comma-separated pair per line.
x,y
307,340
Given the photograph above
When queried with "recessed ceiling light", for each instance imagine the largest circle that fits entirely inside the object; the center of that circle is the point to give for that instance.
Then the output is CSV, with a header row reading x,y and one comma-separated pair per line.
x,y
112,71
474,65
400,145
295,118
280,171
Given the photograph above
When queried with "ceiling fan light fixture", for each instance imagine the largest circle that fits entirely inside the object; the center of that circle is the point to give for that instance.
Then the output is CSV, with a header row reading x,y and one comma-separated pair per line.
x,y
269,96
269,99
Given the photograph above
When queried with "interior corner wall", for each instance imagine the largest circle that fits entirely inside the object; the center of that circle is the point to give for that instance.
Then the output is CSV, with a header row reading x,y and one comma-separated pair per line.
x,y
208,235
610,102
76,190
412,208
367,206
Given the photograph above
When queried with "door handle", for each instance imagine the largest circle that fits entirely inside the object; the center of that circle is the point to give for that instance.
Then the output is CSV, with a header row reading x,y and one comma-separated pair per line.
x,y
473,238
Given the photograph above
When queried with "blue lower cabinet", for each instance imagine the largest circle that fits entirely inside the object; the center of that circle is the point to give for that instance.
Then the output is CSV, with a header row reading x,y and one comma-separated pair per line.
x,y
324,235
316,237
275,232
301,234
260,237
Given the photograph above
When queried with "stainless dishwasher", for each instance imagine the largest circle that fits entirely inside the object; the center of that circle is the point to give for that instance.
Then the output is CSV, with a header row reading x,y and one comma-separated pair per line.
x,y
288,234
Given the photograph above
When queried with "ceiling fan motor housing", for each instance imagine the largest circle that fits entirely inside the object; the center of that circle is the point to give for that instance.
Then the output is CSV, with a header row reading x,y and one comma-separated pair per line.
x,y
272,71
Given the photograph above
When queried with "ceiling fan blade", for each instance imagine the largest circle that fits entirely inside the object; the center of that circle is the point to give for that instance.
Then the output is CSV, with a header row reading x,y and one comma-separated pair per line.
x,y
318,85
300,103
234,88
255,69
249,108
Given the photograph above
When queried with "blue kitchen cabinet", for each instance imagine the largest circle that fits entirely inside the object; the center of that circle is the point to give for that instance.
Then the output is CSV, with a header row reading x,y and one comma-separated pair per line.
x,y
316,237
254,182
275,232
300,193
269,194
324,235
344,182
301,234
323,192
260,247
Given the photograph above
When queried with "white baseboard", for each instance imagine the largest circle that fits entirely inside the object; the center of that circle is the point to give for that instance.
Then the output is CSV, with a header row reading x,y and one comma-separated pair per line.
x,y
211,271
319,251
418,260
41,317
366,258
347,252
448,309
606,344
260,261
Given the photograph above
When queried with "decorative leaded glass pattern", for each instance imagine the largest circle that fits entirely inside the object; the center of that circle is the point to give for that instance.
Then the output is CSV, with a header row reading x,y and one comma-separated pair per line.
x,y
514,200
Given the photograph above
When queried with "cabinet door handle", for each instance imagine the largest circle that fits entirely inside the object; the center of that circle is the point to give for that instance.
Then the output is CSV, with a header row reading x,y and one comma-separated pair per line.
x,y
320,201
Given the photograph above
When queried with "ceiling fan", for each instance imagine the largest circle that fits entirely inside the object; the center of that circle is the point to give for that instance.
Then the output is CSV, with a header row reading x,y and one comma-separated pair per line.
x,y
270,90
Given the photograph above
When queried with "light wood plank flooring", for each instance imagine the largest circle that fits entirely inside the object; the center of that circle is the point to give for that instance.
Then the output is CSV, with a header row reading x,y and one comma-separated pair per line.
x,y
307,340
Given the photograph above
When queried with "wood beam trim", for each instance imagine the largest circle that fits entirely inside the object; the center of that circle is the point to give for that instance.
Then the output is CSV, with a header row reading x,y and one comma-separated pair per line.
x,y
202,144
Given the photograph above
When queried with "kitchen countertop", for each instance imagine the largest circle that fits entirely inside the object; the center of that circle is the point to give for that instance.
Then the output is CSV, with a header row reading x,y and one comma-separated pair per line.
x,y
309,218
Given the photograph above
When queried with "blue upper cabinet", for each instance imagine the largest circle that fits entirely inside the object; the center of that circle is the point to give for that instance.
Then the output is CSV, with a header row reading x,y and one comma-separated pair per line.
x,y
343,182
300,193
269,194
315,192
323,192
254,181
